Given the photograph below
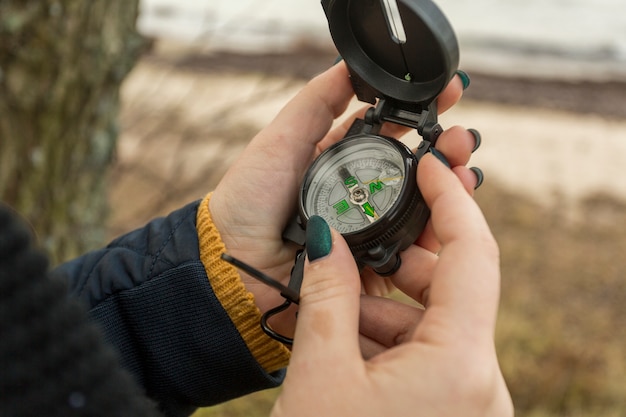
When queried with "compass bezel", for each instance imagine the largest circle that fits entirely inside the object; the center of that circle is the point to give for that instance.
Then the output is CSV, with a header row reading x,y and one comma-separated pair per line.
x,y
392,219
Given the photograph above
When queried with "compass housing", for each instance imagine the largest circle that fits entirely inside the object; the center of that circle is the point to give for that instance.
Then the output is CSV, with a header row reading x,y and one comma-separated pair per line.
x,y
410,70
401,54
378,243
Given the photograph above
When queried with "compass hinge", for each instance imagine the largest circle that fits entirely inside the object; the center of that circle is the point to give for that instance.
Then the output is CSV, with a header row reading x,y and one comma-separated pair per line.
x,y
424,120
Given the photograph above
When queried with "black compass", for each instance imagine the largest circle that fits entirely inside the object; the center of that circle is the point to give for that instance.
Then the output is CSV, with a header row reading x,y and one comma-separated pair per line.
x,y
400,54
364,187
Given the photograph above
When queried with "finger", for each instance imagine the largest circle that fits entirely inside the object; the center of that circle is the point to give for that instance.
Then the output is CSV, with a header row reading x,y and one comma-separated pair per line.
x,y
415,273
340,131
468,178
464,291
374,284
370,347
328,317
451,94
309,115
415,260
387,322
428,240
457,144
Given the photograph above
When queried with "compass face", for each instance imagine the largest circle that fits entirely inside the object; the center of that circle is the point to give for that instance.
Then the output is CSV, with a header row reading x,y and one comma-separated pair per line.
x,y
355,183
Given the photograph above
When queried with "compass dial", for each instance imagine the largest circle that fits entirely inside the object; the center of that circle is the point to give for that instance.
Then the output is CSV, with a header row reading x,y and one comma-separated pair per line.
x,y
355,183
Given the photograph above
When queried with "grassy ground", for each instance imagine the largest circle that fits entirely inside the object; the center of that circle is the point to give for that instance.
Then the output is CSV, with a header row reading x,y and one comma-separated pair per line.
x,y
561,328
560,333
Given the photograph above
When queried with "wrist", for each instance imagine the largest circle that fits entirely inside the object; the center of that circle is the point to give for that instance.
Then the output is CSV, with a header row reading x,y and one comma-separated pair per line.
x,y
236,300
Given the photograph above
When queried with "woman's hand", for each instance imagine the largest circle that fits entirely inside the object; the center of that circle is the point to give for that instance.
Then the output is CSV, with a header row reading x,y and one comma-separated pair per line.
x,y
257,197
442,361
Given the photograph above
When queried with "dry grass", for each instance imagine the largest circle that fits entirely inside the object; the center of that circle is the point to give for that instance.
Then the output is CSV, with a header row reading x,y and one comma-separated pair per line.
x,y
560,333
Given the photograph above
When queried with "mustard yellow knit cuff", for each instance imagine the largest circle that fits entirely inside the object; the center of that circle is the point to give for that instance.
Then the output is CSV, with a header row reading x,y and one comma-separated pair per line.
x,y
232,294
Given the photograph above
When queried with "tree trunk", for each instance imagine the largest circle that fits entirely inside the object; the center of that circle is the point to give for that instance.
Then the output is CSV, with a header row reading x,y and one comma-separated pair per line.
x,y
61,66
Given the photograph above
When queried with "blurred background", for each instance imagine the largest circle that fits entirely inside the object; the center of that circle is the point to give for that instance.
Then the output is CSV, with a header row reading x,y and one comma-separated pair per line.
x,y
548,95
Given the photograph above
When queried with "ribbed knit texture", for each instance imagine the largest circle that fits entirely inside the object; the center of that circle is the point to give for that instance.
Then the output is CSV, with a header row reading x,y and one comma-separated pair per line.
x,y
53,362
236,300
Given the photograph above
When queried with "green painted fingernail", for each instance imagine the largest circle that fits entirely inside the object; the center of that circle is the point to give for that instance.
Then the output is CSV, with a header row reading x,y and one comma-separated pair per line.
x,y
319,240
465,79
477,137
480,177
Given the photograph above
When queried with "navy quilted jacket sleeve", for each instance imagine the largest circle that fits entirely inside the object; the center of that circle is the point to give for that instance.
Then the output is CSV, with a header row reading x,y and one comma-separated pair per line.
x,y
150,294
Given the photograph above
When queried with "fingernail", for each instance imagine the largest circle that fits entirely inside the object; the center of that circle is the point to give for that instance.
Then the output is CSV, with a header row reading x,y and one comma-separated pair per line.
x,y
319,240
477,137
338,60
480,177
465,79
440,156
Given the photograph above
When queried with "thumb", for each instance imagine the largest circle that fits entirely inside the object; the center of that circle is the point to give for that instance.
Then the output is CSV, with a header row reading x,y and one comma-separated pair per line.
x,y
328,317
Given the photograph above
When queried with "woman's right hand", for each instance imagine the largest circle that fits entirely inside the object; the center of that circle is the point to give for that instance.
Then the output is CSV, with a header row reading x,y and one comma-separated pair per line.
x,y
444,362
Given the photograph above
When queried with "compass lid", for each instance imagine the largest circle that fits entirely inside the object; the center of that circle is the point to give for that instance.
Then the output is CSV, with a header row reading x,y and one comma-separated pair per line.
x,y
400,50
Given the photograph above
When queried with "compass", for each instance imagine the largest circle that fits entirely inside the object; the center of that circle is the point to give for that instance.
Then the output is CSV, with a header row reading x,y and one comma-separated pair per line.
x,y
364,187
400,55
